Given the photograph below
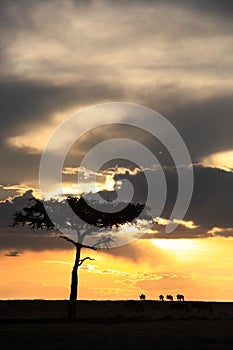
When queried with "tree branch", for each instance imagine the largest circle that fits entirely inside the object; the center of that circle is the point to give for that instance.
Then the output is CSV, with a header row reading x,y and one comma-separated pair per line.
x,y
105,241
77,244
68,239
88,246
82,260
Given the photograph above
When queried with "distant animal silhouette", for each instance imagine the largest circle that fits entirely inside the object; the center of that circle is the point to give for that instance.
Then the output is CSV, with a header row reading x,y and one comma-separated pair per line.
x,y
169,297
142,297
180,297
161,297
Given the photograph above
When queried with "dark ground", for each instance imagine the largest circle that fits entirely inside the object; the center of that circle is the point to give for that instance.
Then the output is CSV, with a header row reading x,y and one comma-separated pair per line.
x,y
39,324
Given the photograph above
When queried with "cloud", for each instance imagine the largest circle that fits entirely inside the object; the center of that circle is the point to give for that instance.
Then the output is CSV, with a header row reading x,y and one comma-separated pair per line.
x,y
84,48
188,224
26,103
222,160
210,7
13,191
168,282
211,201
140,251
221,231
13,253
23,238
30,111
209,214
181,67
204,126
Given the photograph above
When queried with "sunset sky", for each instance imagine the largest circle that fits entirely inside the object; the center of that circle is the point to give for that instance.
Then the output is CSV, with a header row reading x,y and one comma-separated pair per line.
x,y
60,57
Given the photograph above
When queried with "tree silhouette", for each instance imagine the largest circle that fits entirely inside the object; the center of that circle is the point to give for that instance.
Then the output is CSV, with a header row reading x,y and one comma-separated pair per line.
x,y
92,220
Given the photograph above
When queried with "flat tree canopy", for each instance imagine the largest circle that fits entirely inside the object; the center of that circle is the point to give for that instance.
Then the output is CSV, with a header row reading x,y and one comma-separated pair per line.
x,y
36,217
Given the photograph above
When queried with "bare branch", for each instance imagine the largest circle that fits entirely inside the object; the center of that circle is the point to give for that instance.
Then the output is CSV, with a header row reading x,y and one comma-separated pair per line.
x,y
105,241
77,244
88,246
82,260
68,239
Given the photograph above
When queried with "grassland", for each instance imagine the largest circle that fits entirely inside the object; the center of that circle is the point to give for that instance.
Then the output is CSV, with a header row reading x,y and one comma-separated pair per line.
x,y
40,324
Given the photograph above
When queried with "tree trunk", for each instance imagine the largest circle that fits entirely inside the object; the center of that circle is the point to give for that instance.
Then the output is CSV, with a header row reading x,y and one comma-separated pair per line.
x,y
72,312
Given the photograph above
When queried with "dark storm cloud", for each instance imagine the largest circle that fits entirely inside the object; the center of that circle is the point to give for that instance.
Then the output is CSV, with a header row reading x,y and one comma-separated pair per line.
x,y
216,7
205,126
224,7
212,200
20,166
25,104
210,207
211,203
57,55
23,238
29,105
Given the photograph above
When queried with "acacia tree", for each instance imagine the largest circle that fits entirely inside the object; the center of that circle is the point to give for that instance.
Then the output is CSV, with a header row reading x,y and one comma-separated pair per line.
x,y
36,217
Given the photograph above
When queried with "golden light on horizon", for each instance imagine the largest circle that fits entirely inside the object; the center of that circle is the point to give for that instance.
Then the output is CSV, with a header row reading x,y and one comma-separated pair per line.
x,y
183,249
221,160
199,268
176,245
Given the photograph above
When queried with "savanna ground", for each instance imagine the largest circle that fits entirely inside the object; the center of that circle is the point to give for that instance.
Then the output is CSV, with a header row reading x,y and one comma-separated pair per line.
x,y
40,324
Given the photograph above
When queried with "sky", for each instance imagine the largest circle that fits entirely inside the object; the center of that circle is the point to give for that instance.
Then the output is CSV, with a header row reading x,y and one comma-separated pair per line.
x,y
58,58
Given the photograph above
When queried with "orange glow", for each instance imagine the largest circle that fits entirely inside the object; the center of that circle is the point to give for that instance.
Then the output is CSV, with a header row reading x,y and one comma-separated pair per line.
x,y
183,249
221,160
201,269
